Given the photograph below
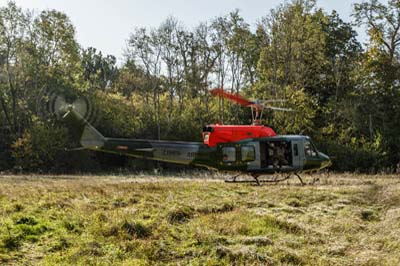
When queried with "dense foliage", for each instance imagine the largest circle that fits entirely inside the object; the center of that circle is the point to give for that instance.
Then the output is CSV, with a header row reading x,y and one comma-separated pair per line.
x,y
347,96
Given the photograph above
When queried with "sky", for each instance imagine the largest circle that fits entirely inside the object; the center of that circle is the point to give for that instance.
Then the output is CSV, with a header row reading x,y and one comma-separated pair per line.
x,y
107,24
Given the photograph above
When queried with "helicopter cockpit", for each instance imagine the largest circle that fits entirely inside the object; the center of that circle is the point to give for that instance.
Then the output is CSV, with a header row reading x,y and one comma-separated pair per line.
x,y
309,149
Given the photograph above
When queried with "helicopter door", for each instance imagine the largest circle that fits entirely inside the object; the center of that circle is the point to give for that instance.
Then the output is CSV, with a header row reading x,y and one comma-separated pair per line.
x,y
296,148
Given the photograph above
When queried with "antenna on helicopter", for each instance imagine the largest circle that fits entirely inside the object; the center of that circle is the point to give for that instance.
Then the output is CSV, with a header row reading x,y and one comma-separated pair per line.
x,y
257,106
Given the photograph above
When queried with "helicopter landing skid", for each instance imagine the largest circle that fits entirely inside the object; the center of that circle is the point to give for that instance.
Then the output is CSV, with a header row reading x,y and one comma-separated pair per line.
x,y
259,181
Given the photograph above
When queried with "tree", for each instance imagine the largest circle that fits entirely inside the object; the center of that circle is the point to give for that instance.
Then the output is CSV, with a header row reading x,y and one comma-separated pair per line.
x,y
14,25
236,59
379,89
343,54
295,54
292,63
145,50
53,57
383,22
101,72
172,61
36,54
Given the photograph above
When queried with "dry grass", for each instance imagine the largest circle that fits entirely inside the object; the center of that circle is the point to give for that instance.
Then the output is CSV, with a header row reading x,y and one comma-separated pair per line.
x,y
150,220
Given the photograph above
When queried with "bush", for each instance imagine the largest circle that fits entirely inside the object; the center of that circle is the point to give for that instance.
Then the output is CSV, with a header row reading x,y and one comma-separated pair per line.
x,y
40,148
43,148
360,158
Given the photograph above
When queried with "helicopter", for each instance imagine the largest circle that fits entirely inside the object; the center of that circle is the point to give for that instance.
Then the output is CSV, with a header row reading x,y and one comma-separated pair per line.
x,y
253,150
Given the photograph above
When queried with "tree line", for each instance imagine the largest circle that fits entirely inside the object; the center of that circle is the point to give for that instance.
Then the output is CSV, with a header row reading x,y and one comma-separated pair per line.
x,y
346,95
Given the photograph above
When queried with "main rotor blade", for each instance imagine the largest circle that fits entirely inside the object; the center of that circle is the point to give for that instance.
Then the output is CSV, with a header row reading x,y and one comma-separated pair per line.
x,y
275,101
279,109
230,96
243,101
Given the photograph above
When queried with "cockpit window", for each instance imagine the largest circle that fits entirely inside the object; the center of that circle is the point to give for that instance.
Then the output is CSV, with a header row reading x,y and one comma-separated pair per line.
x,y
248,153
208,129
309,149
228,154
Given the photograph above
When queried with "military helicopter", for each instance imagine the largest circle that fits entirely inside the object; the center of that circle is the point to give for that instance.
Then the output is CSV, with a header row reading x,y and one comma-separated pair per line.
x,y
253,150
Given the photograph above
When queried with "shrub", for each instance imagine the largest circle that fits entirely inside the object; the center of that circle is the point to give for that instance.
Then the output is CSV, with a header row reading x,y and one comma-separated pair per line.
x,y
40,148
43,148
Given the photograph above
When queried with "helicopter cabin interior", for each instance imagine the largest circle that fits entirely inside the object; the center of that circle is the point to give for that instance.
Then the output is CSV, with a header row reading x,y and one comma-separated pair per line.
x,y
277,154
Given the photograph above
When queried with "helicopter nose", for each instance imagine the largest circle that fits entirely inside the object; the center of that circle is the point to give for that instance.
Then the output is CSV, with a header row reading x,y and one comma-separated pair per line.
x,y
326,161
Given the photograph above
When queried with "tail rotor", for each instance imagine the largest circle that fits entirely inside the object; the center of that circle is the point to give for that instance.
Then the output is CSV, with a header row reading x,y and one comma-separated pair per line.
x,y
60,105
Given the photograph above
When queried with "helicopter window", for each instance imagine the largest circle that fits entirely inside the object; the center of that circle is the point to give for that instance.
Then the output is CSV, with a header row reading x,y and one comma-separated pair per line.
x,y
309,149
228,154
296,150
248,153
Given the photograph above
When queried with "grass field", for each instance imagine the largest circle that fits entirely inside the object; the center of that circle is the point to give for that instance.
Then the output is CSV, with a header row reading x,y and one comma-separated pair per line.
x,y
185,220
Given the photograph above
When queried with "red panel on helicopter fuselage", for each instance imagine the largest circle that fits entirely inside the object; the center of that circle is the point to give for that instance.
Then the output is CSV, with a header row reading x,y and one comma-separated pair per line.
x,y
215,134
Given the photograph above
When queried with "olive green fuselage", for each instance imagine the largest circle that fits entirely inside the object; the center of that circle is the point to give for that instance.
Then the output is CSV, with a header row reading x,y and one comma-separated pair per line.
x,y
253,156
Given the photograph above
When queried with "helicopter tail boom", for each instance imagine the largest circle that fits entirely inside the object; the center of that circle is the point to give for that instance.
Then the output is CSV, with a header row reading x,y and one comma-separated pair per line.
x,y
180,152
